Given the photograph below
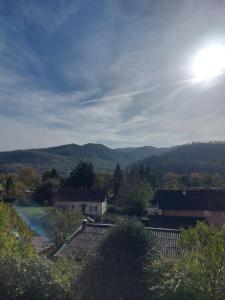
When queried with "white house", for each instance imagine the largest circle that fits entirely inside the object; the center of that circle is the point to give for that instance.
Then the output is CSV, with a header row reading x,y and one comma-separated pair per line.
x,y
89,202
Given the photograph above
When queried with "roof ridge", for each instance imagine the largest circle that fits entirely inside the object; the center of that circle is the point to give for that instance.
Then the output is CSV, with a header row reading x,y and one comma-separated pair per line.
x,y
163,229
100,225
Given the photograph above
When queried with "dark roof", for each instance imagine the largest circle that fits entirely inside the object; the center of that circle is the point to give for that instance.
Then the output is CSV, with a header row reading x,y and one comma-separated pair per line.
x,y
211,199
174,222
79,195
86,239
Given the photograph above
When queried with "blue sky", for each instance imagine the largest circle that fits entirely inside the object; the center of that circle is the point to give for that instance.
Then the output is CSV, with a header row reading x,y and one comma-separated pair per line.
x,y
113,72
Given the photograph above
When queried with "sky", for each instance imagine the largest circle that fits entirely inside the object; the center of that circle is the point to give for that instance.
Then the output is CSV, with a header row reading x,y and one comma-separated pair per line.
x,y
116,72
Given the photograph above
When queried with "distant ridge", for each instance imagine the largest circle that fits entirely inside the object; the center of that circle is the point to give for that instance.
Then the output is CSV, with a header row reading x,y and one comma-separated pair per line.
x,y
65,157
196,157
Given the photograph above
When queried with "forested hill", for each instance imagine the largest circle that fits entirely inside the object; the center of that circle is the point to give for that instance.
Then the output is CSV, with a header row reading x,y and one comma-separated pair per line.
x,y
196,157
63,158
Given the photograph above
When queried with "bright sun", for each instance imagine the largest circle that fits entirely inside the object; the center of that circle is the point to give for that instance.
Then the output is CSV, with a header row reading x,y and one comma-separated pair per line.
x,y
209,62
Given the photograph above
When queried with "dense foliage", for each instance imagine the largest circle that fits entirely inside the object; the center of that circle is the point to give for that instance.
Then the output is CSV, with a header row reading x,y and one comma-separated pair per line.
x,y
82,177
33,278
15,236
45,191
14,185
203,262
123,267
62,223
134,191
23,274
126,264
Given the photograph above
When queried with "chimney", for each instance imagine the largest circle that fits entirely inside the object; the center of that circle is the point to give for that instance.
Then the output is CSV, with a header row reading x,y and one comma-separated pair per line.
x,y
84,224
184,191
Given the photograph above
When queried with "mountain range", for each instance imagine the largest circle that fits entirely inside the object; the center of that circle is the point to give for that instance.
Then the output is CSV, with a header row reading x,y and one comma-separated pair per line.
x,y
64,158
195,157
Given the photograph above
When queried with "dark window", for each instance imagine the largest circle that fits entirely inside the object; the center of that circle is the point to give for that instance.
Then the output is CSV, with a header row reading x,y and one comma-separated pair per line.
x,y
93,208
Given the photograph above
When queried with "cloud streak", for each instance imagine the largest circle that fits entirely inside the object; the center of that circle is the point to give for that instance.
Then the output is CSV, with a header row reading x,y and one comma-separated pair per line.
x,y
108,72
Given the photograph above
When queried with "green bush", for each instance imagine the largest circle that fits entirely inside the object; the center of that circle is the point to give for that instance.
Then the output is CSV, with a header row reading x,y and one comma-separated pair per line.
x,y
32,278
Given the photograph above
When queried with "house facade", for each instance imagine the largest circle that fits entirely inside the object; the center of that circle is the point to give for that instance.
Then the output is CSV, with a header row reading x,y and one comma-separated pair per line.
x,y
208,204
89,202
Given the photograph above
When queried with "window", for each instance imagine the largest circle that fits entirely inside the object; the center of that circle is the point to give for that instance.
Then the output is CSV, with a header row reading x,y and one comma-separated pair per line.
x,y
93,208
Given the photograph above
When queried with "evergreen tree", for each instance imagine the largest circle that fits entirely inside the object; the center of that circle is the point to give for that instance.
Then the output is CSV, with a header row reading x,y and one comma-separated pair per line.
x,y
50,175
54,174
82,176
117,179
9,186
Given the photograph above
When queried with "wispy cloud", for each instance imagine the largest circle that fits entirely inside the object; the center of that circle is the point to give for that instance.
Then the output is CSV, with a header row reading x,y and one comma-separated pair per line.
x,y
115,72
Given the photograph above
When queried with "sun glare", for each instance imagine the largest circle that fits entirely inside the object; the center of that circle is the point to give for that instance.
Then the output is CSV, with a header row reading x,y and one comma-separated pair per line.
x,y
209,62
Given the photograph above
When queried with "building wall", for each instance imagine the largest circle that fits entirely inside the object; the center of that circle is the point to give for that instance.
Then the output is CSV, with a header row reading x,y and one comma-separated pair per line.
x,y
216,218
104,206
91,208
183,213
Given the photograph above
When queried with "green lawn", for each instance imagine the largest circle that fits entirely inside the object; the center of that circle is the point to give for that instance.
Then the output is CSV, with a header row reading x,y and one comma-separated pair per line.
x,y
35,217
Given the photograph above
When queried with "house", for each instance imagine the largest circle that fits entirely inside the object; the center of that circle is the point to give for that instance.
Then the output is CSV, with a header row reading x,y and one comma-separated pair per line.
x,y
85,240
89,202
201,204
173,222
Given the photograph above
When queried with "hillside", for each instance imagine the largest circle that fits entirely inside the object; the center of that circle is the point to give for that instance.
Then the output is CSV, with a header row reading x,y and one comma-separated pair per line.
x,y
196,157
64,158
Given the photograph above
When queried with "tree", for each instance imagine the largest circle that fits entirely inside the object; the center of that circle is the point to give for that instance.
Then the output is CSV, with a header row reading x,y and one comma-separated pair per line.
x,y
135,195
62,224
82,176
123,267
140,196
117,179
45,191
200,271
14,187
171,181
9,186
19,190
103,181
24,274
15,237
50,175
218,180
28,176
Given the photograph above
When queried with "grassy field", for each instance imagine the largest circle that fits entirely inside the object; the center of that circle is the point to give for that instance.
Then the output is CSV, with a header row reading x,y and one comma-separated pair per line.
x,y
36,217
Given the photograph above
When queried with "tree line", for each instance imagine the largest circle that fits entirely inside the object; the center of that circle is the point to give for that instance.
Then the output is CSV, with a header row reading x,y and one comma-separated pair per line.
x,y
126,265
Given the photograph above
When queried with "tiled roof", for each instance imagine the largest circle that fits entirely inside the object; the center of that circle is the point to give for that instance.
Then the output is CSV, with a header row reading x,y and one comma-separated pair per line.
x,y
85,240
167,240
202,199
79,195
